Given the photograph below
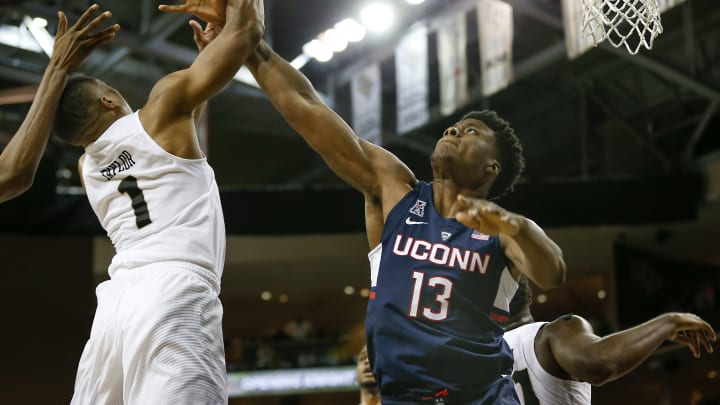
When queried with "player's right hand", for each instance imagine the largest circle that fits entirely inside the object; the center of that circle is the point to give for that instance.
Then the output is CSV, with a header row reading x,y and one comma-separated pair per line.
x,y
73,45
212,11
693,332
487,217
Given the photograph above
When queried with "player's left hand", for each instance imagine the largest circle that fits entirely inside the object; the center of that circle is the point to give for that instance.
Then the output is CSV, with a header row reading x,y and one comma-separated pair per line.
x,y
487,217
694,332
212,11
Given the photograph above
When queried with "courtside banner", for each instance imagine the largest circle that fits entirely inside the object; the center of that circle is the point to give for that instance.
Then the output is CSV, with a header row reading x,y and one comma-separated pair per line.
x,y
411,67
495,23
366,93
577,42
295,381
452,59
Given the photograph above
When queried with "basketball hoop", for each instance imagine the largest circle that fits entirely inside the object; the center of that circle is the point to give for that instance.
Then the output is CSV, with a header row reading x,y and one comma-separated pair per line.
x,y
632,23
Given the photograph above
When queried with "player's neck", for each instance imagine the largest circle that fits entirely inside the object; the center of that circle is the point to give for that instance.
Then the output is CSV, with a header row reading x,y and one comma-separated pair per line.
x,y
519,321
369,397
445,194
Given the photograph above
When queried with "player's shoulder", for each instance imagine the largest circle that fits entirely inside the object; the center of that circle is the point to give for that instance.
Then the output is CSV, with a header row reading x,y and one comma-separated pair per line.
x,y
566,324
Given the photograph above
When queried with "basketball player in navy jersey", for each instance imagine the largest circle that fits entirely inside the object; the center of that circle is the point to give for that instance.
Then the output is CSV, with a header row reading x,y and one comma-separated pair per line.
x,y
557,362
20,158
443,258
157,335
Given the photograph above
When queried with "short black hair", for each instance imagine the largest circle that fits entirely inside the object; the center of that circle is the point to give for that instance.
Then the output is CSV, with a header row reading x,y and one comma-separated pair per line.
x,y
522,298
509,148
75,108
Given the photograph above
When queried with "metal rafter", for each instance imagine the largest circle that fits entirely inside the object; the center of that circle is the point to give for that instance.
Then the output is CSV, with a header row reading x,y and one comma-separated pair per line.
x,y
661,69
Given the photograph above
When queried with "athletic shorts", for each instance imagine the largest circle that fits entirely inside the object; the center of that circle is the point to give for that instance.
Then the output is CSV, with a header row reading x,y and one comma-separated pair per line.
x,y
156,339
502,392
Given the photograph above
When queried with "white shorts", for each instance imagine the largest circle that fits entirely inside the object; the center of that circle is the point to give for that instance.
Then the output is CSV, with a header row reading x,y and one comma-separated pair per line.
x,y
156,339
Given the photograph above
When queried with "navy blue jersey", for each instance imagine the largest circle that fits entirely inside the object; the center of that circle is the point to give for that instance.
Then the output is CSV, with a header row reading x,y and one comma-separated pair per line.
x,y
440,291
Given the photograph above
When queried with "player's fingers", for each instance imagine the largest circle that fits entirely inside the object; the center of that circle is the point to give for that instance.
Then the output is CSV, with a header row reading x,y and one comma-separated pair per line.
x,y
197,31
103,36
62,24
706,343
105,33
95,23
464,201
710,332
173,8
466,219
86,16
693,343
491,209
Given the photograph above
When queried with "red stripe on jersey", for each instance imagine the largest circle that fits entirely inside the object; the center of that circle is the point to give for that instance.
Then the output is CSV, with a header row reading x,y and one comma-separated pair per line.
x,y
372,295
498,317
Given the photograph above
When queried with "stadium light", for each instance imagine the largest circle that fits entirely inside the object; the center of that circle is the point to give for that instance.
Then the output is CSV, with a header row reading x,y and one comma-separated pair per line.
x,y
351,29
334,40
319,50
40,22
415,1
377,17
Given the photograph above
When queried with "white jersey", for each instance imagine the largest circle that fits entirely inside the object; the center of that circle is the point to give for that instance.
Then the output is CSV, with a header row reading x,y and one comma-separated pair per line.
x,y
533,384
155,207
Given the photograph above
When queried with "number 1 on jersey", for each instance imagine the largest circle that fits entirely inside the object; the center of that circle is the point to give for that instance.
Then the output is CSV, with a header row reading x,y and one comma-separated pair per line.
x,y
130,187
441,298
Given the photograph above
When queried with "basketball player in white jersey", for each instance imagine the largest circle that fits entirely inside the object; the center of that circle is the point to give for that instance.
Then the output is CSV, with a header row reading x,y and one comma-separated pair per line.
x,y
20,158
156,337
369,391
558,362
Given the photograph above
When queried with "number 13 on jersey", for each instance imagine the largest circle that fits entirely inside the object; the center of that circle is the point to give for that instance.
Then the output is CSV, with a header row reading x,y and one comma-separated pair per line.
x,y
440,284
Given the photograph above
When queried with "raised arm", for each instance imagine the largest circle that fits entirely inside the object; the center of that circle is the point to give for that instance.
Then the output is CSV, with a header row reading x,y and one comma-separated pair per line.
x,y
366,167
181,92
527,246
202,38
20,158
587,357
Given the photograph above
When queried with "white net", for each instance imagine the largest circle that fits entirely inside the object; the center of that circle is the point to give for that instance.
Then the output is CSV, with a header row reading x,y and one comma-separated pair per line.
x,y
630,23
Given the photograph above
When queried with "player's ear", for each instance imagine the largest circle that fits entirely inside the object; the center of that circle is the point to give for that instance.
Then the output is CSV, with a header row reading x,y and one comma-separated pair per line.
x,y
110,101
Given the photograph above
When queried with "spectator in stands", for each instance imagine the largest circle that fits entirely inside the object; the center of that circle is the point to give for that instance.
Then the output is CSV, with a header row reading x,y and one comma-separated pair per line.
x,y
298,329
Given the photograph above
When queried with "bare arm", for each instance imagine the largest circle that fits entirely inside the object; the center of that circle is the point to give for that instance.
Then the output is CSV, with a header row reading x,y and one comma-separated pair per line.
x,y
529,248
587,357
20,158
360,163
202,38
534,254
181,92
168,115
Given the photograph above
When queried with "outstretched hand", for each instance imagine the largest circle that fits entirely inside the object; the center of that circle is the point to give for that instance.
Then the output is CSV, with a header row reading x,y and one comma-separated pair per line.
x,y
692,331
212,11
72,46
487,217
203,37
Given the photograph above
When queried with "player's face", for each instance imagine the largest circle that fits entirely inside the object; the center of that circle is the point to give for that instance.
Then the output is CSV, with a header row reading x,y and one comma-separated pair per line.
x,y
467,146
365,377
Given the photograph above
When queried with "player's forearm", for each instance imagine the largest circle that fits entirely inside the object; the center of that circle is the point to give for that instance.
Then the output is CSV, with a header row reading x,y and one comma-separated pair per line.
x,y
20,159
542,258
617,354
286,87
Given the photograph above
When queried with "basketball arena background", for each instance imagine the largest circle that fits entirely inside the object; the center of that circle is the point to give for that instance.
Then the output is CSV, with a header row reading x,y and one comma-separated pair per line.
x,y
623,170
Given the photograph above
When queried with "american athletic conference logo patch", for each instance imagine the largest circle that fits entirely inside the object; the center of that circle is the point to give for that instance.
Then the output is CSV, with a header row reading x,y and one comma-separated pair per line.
x,y
419,208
